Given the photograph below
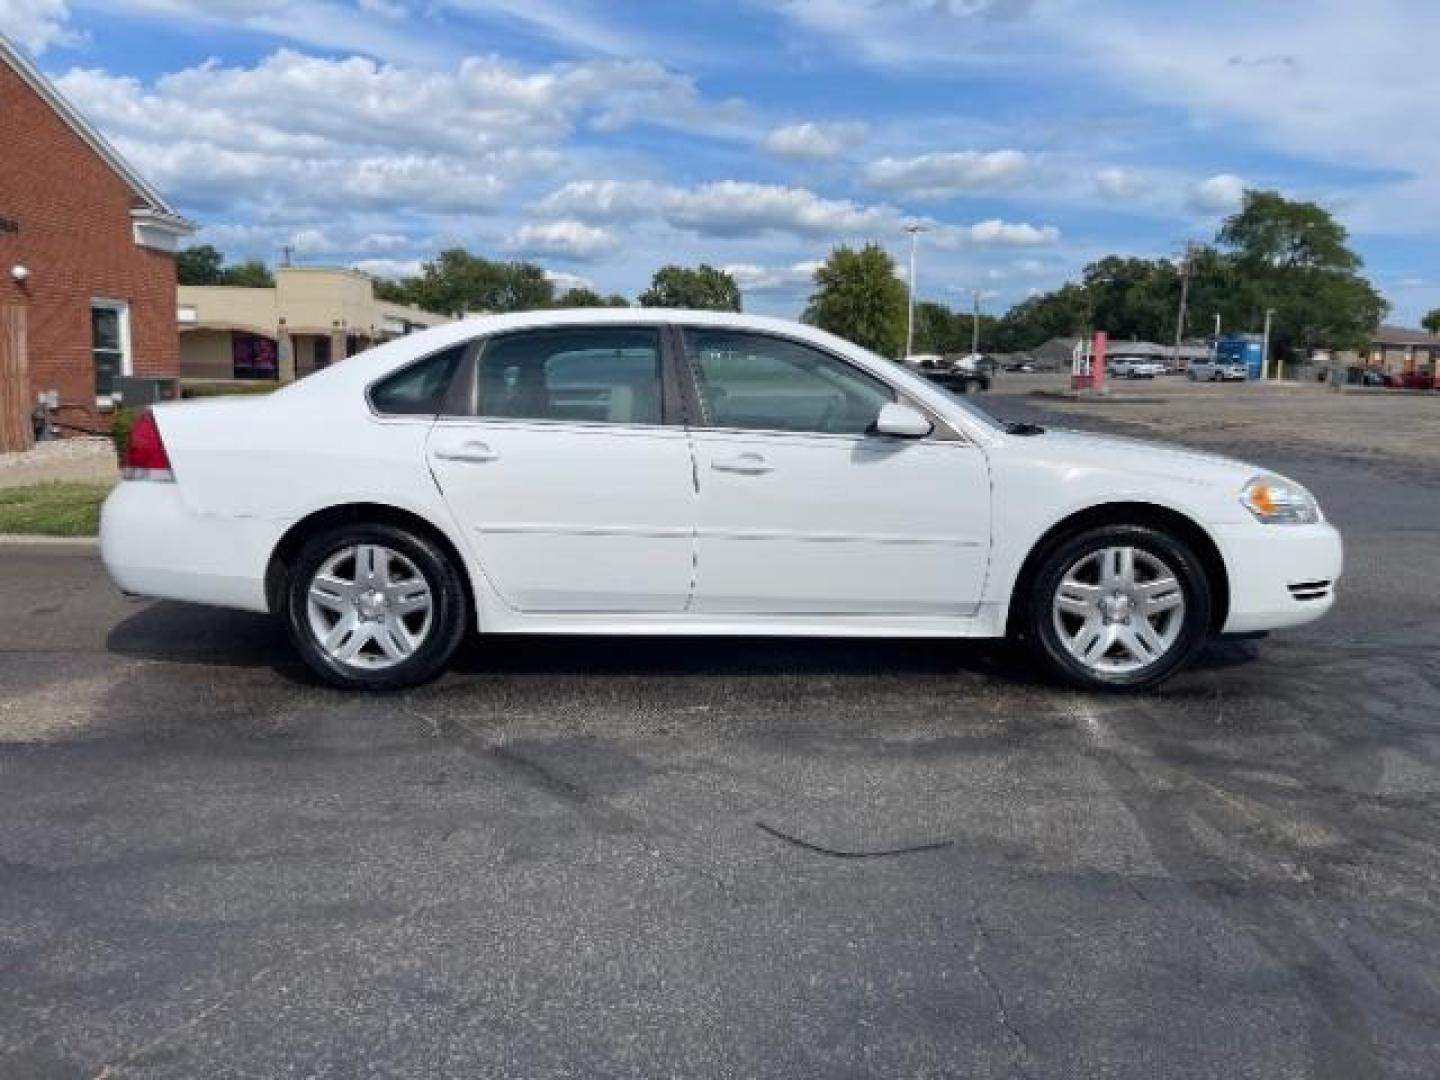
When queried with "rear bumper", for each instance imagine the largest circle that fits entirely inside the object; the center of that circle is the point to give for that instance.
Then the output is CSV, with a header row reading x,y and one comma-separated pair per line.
x,y
152,544
1280,575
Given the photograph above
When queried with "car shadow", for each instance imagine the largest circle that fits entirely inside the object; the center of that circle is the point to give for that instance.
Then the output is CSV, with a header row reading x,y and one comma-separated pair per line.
x,y
191,634
219,637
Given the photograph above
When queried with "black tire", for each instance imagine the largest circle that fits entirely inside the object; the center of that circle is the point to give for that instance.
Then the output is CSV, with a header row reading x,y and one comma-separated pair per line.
x,y
1037,615
450,607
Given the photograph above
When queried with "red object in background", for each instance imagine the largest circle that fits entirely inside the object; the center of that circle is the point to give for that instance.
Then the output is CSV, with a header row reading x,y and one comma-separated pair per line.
x,y
1092,378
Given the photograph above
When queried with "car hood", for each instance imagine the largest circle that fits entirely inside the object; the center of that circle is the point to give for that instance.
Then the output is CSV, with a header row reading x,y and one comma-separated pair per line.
x,y
1140,457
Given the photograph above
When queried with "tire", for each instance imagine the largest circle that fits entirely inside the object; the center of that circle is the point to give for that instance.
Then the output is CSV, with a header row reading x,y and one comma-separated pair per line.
x,y
399,593
1074,605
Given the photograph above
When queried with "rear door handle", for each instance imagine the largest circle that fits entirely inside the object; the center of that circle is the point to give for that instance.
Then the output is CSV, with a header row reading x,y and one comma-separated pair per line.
x,y
475,453
747,464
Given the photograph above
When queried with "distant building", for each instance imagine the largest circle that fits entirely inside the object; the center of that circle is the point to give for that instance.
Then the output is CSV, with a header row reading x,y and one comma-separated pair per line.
x,y
87,260
311,318
1399,351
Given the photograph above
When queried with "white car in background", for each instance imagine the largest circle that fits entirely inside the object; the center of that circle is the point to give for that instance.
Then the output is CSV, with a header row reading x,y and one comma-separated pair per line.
x,y
1137,369
676,472
1217,371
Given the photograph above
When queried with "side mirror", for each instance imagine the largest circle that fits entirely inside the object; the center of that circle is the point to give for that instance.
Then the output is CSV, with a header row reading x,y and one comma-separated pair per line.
x,y
901,422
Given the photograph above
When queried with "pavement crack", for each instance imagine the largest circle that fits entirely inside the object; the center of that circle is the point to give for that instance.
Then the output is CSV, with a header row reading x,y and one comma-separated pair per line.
x,y
1002,1006
836,853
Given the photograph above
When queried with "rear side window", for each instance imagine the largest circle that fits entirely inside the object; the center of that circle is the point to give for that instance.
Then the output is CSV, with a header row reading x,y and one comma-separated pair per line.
x,y
607,375
420,389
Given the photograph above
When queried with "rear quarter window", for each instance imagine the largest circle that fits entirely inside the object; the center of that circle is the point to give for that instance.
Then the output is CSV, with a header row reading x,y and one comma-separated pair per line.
x,y
421,388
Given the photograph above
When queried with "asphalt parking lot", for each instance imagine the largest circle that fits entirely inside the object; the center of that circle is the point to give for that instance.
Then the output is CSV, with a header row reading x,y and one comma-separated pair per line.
x,y
688,858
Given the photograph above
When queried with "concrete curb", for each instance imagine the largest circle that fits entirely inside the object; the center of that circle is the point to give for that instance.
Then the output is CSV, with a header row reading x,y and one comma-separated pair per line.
x,y
62,541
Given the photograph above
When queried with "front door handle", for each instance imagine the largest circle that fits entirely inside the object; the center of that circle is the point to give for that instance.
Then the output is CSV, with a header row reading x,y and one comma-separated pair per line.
x,y
747,464
473,452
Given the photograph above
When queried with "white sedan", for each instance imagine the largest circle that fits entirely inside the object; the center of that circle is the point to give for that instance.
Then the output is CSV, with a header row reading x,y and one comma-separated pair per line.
x,y
673,472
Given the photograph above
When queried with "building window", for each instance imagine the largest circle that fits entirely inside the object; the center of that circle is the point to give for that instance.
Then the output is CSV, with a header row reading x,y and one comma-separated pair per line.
x,y
322,352
109,346
254,356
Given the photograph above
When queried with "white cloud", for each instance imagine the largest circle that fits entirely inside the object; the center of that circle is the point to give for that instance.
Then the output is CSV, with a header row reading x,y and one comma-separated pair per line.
x,y
754,278
1218,194
565,239
944,175
389,268
302,130
36,24
564,282
1120,185
724,208
998,233
814,142
739,208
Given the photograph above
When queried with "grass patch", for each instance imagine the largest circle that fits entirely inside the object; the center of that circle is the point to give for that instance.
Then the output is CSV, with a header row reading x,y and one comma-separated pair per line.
x,y
52,509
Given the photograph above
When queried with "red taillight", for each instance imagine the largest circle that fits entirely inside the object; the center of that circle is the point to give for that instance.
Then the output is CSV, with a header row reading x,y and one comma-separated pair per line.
x,y
145,457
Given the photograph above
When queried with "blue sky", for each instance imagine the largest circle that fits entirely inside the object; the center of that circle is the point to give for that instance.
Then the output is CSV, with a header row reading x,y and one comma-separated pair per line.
x,y
602,138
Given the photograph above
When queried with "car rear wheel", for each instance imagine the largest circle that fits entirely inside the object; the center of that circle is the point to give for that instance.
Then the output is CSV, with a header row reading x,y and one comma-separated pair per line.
x,y
375,607
1120,607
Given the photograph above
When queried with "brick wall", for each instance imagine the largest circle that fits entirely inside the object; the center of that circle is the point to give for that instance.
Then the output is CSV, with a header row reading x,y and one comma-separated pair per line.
x,y
75,236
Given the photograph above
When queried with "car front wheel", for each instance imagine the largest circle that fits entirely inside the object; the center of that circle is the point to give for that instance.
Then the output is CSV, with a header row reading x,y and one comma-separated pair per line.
x,y
1120,607
372,606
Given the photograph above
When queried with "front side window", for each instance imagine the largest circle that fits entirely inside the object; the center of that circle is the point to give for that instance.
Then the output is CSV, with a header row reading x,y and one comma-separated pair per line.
x,y
421,388
758,383
594,375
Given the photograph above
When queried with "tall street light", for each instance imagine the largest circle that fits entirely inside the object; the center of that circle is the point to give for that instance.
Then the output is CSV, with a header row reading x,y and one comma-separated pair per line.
x,y
975,321
914,230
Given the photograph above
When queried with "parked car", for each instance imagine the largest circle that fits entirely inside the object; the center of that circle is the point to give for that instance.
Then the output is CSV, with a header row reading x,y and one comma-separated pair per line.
x,y
1218,371
1420,379
1136,369
965,374
1023,366
677,472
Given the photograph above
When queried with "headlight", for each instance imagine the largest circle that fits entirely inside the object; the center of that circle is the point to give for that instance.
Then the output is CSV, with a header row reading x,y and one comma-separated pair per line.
x,y
1279,502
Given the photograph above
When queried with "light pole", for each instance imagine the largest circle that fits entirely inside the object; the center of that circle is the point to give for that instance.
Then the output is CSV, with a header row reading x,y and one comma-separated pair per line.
x,y
914,230
1265,348
975,322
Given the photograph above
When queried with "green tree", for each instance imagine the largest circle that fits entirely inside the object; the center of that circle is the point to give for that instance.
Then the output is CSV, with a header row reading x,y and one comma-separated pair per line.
x,y
1431,321
700,287
1293,258
456,281
252,274
198,265
583,297
858,297
1065,312
393,290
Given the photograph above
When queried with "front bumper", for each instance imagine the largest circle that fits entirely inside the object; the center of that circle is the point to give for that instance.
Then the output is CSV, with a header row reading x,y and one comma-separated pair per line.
x,y
1280,575
152,544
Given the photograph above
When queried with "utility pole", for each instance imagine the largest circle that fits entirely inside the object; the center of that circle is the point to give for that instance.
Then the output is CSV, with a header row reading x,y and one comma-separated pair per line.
x,y
1265,348
975,326
914,230
1184,299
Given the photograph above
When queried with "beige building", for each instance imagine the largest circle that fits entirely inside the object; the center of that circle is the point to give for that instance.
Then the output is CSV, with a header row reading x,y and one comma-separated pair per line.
x,y
312,317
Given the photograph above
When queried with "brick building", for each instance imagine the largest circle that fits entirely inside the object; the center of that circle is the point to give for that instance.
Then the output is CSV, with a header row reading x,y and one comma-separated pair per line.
x,y
87,260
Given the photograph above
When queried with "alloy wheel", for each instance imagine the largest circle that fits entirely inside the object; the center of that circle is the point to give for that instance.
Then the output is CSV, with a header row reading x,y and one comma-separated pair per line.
x,y
369,607
1119,610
